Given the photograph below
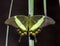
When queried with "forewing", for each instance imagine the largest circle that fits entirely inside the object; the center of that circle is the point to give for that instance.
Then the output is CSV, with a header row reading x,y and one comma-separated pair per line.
x,y
38,20
11,22
45,21
21,18
24,21
48,21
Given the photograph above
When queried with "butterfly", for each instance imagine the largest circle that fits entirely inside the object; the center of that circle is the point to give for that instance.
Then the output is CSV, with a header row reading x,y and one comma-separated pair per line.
x,y
31,25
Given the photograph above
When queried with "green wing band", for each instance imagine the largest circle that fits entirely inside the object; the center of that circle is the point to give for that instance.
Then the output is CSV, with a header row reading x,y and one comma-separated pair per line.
x,y
39,23
19,24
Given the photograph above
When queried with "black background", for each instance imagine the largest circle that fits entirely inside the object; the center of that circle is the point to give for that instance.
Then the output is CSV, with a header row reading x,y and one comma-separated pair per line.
x,y
50,35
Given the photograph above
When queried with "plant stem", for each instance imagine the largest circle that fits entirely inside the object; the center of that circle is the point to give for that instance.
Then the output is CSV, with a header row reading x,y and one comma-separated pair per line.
x,y
7,33
31,7
45,9
31,13
59,2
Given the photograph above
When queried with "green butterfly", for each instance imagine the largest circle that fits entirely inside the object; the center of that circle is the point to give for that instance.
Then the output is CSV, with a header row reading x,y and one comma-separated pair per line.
x,y
29,24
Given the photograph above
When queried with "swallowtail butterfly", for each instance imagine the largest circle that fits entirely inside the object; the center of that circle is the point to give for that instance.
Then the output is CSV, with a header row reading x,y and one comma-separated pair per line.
x,y
31,24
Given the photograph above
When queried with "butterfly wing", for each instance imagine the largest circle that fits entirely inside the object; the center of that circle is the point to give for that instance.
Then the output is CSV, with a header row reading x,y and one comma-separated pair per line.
x,y
48,21
21,20
38,20
11,22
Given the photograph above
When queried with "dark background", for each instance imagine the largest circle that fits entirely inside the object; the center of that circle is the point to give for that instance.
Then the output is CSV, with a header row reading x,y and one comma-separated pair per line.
x,y
50,35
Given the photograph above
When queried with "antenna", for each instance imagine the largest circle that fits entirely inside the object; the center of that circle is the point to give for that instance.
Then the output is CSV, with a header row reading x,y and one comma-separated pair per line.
x,y
7,33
